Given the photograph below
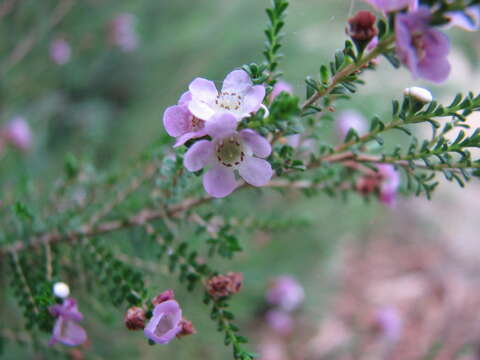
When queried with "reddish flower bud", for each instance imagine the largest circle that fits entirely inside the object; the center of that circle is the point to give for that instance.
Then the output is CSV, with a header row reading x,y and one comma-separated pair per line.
x,y
135,318
164,296
368,184
187,328
236,282
362,28
224,285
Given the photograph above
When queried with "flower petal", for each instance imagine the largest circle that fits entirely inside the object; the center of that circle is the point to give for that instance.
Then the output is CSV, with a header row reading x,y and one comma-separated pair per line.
x,y
255,171
200,109
237,81
219,181
203,90
185,98
257,143
253,99
190,135
177,120
199,155
221,125
68,332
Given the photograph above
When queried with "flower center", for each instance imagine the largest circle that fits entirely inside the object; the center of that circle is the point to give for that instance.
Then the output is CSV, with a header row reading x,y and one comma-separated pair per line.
x,y
419,45
229,151
229,101
197,124
165,324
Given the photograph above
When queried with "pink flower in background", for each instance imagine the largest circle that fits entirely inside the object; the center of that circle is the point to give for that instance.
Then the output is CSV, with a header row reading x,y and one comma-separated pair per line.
x,y
393,5
390,182
66,329
286,293
468,20
390,323
422,48
166,322
279,321
229,151
239,97
17,133
122,32
279,87
350,119
180,123
60,51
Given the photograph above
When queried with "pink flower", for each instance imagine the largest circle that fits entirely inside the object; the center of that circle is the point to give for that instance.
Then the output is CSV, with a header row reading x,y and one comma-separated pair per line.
x,y
60,51
350,119
467,20
17,133
279,321
66,329
393,5
239,97
122,32
286,293
279,87
229,151
166,322
181,123
390,323
390,182
422,48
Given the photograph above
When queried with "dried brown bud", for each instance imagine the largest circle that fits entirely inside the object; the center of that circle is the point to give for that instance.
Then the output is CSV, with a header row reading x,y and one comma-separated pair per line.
x,y
164,296
135,318
225,285
362,27
187,328
367,184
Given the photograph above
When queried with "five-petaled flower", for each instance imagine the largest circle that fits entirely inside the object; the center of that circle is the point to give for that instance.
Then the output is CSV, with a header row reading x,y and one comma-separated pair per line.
x,y
229,151
166,322
422,48
66,329
238,97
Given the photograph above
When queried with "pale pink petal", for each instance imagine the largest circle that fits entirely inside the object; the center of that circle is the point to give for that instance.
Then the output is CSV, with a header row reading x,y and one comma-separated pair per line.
x,y
221,125
255,171
190,135
253,99
219,181
68,332
177,120
258,144
200,109
199,155
185,98
203,90
237,81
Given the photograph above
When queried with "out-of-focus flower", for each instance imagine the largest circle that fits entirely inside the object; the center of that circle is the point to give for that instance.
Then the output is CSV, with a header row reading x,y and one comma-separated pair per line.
x,y
122,32
420,94
273,348
60,51
279,87
229,150
286,293
350,119
164,296
61,290
187,328
224,285
390,182
135,318
180,123
238,97
393,5
166,322
390,323
422,48
17,133
468,20
66,329
362,28
279,321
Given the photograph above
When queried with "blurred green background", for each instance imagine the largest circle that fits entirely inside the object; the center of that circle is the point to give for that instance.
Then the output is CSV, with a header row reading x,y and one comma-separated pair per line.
x,y
106,105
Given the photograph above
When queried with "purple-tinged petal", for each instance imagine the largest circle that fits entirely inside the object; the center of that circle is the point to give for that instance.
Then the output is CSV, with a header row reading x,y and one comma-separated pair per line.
x,y
199,155
221,125
255,171
279,321
253,99
68,332
200,109
257,143
185,98
219,181
393,5
468,20
191,135
165,323
286,293
436,70
350,119
177,120
203,90
280,86
68,309
237,81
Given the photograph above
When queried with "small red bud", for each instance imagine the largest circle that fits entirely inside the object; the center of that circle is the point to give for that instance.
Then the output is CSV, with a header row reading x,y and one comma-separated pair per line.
x,y
135,318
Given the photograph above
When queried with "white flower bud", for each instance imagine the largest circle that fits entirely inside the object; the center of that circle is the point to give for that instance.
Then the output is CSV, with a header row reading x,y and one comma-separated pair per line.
x,y
61,290
420,94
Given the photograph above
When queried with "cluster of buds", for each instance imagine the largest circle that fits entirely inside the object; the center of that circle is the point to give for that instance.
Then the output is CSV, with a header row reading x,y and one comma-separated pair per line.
x,y
166,323
224,285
